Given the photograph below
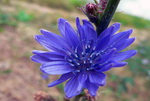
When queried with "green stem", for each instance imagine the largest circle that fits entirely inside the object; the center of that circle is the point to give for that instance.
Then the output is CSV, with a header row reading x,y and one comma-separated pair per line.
x,y
107,15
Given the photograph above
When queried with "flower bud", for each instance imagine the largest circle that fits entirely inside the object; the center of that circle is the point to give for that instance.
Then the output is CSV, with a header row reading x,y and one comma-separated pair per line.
x,y
94,11
91,8
103,4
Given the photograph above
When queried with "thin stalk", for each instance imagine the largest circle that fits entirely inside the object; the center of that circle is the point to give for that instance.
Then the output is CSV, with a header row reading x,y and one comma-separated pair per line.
x,y
107,15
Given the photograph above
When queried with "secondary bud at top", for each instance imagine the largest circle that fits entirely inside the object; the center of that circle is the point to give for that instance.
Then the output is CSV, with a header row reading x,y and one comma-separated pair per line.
x,y
94,11
103,4
91,8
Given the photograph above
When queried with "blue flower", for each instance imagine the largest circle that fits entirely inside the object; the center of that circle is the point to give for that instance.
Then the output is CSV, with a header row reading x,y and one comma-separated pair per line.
x,y
81,56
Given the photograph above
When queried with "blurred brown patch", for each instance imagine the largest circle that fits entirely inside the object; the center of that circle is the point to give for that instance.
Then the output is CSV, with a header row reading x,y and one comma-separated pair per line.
x,y
42,96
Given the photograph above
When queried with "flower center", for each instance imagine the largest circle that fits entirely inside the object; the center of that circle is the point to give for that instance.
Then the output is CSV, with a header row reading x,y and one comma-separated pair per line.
x,y
86,59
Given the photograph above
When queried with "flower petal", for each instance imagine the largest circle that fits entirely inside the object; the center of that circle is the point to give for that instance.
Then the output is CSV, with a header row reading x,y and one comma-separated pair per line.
x,y
86,31
117,27
80,30
92,88
82,77
72,87
54,39
51,55
119,64
56,68
106,67
39,59
124,44
71,36
124,55
89,30
106,56
109,31
90,33
61,26
41,39
38,51
97,78
63,78
86,22
121,36
103,43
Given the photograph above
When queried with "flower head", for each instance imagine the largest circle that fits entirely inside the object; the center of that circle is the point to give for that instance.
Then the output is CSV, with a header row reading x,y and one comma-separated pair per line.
x,y
81,56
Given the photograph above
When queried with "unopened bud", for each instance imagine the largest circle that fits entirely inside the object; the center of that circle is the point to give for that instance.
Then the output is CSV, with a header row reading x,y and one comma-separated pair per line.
x,y
94,11
91,8
103,4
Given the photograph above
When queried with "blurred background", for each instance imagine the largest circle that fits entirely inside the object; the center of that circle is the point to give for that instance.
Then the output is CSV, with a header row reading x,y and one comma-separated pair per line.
x,y
20,20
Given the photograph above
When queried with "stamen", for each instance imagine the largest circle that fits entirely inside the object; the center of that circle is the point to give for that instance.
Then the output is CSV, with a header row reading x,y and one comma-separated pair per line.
x,y
76,55
84,61
92,55
78,63
82,53
94,48
91,61
76,71
97,54
72,64
90,68
69,60
88,46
